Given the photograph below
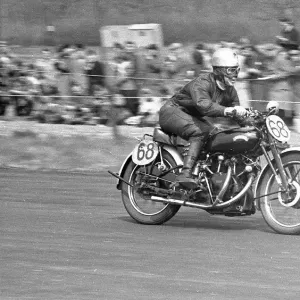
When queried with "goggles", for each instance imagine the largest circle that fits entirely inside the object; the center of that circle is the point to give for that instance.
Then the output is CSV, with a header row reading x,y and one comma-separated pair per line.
x,y
232,70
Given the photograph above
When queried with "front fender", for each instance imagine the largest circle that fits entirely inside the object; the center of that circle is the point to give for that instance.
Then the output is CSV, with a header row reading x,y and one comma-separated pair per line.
x,y
266,168
171,150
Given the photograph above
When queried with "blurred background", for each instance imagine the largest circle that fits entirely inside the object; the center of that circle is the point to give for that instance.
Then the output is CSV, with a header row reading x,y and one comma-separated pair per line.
x,y
115,62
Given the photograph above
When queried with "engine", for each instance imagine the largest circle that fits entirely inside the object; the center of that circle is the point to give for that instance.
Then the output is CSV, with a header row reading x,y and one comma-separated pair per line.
x,y
214,173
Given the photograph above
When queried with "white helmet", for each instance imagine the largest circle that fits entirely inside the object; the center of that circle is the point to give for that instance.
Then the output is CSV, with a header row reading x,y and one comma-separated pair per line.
x,y
225,57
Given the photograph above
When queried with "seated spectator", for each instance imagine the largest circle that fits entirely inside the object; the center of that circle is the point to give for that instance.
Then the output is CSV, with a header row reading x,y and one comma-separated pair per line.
x,y
101,105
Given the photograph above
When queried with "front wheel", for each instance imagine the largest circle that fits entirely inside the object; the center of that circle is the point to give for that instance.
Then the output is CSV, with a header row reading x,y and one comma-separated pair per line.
x,y
140,207
281,210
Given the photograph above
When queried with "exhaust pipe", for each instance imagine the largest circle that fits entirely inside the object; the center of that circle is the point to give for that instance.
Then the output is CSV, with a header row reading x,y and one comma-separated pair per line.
x,y
203,206
179,202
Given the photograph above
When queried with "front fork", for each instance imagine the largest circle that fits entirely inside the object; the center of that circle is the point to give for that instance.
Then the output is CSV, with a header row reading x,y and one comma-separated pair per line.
x,y
281,177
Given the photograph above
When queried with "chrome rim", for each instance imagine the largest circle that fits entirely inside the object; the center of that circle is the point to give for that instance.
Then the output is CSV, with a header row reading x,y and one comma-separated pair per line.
x,y
284,210
143,205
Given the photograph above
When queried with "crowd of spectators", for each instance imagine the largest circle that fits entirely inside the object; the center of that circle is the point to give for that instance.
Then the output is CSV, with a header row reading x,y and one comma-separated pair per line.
x,y
78,85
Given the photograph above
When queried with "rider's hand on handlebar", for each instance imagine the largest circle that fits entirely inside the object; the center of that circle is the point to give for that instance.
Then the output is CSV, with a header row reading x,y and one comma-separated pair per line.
x,y
236,111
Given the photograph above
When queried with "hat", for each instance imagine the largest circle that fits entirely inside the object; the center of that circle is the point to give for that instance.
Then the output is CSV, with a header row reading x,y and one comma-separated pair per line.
x,y
175,46
152,47
288,46
145,91
294,52
285,20
200,46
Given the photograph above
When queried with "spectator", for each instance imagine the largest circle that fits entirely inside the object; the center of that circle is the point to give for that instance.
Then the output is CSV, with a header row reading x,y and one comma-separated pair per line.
x,y
289,34
33,80
78,63
101,105
281,87
118,51
126,84
171,60
131,53
63,67
249,61
198,58
95,71
153,60
46,66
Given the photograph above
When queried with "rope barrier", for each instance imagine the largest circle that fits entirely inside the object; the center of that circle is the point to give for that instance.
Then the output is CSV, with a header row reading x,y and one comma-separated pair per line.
x,y
110,95
57,73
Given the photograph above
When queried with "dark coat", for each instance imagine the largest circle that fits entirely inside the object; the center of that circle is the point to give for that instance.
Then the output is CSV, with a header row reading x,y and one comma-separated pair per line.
x,y
202,97
96,74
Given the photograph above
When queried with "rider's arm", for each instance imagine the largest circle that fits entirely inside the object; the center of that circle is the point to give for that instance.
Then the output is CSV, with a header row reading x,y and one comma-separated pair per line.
x,y
235,98
199,90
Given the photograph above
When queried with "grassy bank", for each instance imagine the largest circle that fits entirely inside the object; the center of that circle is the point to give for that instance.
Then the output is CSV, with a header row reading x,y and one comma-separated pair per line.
x,y
31,146
65,147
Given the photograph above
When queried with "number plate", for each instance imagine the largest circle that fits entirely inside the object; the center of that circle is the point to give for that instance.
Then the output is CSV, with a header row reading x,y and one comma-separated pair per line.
x,y
278,129
144,153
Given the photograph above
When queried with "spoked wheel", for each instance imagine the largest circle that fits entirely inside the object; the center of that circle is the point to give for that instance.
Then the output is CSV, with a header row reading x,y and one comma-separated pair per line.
x,y
140,206
281,210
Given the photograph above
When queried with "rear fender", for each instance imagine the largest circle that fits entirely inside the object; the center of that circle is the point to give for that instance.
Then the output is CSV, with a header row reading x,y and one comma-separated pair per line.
x,y
266,168
171,150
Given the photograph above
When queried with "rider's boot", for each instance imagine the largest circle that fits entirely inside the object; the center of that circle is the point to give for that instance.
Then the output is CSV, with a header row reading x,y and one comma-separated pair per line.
x,y
185,178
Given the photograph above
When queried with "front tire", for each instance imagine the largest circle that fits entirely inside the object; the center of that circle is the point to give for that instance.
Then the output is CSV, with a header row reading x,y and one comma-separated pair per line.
x,y
281,213
142,210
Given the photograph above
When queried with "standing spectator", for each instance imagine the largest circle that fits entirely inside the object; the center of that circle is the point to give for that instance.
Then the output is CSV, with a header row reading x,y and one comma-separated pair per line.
x,y
282,86
126,85
46,66
63,67
171,60
95,71
77,66
198,58
289,34
153,60
131,53
129,76
118,51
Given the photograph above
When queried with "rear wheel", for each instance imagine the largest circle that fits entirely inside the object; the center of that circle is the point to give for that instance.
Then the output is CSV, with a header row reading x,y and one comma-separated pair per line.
x,y
281,210
139,206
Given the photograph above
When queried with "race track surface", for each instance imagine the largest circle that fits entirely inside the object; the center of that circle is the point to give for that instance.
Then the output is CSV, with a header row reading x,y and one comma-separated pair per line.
x,y
68,236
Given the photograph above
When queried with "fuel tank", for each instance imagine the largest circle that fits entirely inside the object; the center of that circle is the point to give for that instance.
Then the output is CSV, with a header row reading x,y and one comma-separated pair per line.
x,y
235,140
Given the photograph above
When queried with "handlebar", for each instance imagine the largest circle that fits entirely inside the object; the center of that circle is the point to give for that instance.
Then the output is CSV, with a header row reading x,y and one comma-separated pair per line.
x,y
252,118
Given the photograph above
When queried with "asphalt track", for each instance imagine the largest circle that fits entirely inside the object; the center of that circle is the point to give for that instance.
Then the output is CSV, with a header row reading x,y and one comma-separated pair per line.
x,y
67,236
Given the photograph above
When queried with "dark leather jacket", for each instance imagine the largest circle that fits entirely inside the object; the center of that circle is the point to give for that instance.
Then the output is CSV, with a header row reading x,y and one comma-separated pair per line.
x,y
203,97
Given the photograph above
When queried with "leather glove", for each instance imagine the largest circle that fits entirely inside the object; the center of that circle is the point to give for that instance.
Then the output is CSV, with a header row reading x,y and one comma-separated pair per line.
x,y
238,111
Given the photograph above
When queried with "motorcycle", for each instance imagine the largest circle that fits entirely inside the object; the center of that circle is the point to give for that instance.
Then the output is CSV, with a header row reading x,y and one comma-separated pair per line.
x,y
240,170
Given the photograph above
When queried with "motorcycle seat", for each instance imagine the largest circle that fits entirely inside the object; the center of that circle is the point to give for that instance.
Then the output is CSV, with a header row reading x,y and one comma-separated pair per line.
x,y
162,137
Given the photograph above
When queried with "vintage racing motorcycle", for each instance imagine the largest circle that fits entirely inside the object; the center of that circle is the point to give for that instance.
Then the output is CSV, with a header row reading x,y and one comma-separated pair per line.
x,y
229,172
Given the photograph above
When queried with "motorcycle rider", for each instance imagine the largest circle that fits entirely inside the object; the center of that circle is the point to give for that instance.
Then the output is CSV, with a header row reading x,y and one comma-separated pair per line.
x,y
208,95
